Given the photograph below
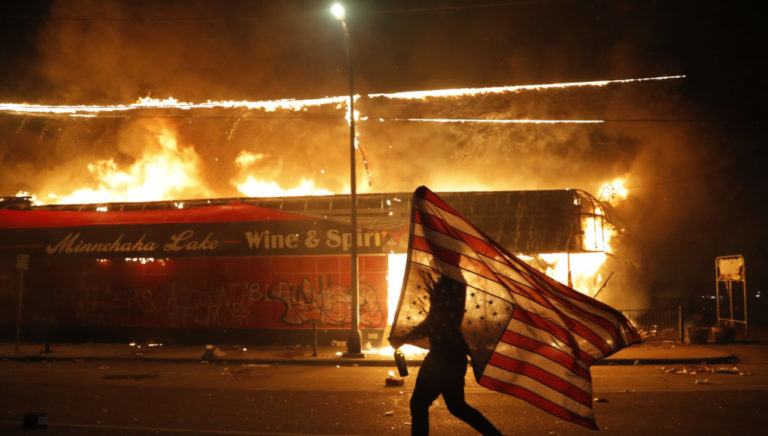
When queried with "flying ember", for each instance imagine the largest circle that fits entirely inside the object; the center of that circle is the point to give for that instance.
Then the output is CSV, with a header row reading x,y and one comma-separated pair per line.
x,y
298,105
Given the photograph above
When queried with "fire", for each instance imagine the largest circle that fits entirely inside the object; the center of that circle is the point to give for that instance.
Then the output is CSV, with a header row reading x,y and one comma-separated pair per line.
x,y
491,121
301,105
245,158
169,103
613,192
253,187
582,269
32,197
164,171
461,92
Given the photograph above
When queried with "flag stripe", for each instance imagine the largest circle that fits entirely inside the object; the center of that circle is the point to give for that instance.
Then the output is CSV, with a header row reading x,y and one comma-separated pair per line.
x,y
486,284
538,373
557,331
577,308
541,389
538,401
483,247
565,375
542,336
540,312
545,350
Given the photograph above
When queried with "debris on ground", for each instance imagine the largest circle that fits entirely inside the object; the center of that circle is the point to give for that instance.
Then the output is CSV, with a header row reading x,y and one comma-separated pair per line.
x,y
705,369
702,381
599,400
389,413
211,353
394,381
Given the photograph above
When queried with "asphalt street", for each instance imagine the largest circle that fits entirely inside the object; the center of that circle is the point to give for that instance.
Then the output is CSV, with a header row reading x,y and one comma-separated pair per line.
x,y
143,398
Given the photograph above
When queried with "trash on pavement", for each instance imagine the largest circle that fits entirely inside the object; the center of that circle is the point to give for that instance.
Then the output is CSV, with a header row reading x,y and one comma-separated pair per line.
x,y
211,353
394,381
705,369
702,381
389,413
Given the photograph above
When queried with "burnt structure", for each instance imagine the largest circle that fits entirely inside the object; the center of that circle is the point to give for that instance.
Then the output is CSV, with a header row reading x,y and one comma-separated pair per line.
x,y
240,270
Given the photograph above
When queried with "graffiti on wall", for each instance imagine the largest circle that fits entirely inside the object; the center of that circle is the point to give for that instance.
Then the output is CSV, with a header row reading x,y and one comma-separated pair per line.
x,y
327,304
236,305
258,293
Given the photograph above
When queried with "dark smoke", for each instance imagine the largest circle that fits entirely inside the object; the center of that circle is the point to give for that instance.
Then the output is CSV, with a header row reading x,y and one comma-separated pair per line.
x,y
678,172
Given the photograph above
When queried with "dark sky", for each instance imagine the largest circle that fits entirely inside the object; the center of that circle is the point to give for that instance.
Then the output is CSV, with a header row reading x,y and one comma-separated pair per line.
x,y
692,147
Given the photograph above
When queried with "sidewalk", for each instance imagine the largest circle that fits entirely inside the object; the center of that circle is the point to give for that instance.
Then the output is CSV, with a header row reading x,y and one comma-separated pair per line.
x,y
649,353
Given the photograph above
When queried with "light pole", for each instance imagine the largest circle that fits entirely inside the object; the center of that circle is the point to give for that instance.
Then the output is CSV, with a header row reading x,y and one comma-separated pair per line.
x,y
354,340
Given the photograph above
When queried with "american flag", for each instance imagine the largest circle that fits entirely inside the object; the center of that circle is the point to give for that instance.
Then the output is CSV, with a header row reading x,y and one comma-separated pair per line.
x,y
529,336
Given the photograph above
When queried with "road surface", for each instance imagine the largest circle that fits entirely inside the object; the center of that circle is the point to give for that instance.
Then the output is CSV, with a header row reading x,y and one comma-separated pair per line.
x,y
143,398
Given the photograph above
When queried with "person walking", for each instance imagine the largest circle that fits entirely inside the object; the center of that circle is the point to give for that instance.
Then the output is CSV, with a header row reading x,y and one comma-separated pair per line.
x,y
445,365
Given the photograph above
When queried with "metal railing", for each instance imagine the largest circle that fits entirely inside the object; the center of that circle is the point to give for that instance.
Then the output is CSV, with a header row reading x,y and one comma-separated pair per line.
x,y
658,323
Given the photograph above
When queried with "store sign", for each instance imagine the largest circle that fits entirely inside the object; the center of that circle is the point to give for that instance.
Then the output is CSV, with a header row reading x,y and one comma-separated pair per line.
x,y
199,239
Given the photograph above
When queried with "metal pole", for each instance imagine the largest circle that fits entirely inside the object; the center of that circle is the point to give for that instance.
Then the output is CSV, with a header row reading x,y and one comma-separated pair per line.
x,y
354,340
314,338
18,312
730,301
744,293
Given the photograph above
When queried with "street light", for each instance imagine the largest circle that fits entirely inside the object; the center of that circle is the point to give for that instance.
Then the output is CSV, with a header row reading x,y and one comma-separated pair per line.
x,y
354,340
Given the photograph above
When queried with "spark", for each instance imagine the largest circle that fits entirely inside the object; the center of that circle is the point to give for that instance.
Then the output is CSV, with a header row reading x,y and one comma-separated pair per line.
x,y
170,103
459,92
490,121
297,105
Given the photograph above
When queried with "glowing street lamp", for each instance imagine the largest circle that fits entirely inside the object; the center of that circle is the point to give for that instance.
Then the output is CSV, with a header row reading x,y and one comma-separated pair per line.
x,y
354,340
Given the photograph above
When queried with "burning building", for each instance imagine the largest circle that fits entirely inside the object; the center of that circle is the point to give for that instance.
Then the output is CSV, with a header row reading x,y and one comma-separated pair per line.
x,y
262,270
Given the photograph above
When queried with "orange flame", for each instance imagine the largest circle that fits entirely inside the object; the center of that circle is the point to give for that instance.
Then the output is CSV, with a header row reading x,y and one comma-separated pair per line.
x,y
164,171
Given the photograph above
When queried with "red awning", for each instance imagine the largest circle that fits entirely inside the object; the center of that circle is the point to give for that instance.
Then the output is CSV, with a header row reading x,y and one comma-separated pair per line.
x,y
235,212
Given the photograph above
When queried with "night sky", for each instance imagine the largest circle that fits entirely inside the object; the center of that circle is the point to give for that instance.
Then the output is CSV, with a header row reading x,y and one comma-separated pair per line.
x,y
690,148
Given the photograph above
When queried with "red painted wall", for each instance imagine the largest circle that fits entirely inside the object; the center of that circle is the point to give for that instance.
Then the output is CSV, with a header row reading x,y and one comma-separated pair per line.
x,y
266,292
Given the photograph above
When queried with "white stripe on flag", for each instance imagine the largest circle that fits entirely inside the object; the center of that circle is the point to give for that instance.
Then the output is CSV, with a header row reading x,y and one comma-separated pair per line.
x,y
500,291
546,364
539,389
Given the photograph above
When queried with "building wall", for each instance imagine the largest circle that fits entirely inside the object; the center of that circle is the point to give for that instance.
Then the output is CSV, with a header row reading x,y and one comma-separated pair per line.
x,y
90,299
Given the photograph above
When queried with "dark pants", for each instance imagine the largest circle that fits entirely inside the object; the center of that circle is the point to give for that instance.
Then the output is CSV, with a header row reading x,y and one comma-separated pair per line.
x,y
444,374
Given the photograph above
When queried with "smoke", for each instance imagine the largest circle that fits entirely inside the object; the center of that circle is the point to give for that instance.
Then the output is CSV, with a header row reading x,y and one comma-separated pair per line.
x,y
250,50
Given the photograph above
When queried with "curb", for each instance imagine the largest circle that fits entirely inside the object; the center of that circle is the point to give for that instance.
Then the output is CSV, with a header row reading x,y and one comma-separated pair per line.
x,y
341,362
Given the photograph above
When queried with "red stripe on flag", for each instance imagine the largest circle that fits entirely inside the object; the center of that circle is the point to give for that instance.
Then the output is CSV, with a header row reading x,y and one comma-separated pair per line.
x,y
484,248
437,224
454,258
478,267
609,326
537,400
429,196
542,376
537,321
547,351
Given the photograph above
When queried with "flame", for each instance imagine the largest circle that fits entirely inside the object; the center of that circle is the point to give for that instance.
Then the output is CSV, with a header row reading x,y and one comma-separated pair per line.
x,y
613,192
490,121
461,92
82,110
32,197
253,187
164,171
395,273
302,105
246,158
